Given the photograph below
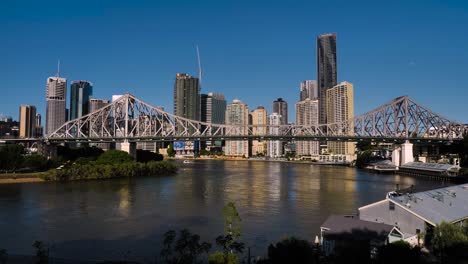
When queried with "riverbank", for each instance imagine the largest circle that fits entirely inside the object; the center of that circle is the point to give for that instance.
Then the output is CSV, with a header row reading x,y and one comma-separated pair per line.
x,y
21,177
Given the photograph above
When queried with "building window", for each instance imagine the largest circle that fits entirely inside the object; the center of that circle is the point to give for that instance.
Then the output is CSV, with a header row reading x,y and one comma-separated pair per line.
x,y
391,206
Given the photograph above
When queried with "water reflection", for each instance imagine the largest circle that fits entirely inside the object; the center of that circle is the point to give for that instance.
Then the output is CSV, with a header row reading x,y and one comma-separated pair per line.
x,y
274,199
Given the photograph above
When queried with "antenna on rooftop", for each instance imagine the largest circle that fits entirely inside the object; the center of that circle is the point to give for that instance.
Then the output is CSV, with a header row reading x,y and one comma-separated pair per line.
x,y
58,68
199,68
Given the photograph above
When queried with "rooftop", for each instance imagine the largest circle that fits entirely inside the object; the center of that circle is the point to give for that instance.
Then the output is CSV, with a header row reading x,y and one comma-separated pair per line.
x,y
341,225
449,204
429,166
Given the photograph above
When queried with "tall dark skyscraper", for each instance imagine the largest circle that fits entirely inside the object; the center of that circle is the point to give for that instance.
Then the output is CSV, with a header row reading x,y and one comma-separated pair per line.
x,y
186,97
80,93
281,107
326,70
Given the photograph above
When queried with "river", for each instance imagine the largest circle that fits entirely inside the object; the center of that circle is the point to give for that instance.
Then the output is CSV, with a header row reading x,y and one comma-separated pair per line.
x,y
124,218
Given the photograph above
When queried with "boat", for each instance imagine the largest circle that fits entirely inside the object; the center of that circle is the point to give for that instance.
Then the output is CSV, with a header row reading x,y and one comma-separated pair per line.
x,y
187,161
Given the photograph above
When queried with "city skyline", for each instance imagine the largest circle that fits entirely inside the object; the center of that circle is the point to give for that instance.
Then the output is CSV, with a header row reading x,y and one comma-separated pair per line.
x,y
399,59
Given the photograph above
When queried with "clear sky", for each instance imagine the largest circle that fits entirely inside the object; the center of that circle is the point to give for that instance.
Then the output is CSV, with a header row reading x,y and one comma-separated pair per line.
x,y
255,51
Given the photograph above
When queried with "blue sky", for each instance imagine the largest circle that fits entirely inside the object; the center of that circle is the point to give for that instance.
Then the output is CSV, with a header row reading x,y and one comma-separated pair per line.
x,y
255,51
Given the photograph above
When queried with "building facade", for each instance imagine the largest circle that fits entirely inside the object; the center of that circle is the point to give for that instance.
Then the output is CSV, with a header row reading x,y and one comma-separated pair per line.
x,y
39,128
186,97
237,113
326,70
80,93
308,90
96,104
27,126
275,147
259,121
307,114
213,111
56,93
281,107
340,108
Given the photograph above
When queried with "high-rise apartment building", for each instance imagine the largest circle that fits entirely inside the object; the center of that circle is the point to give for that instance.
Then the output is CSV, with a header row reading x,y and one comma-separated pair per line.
x,y
80,93
281,107
275,147
186,97
340,108
39,128
308,90
237,113
307,115
326,70
259,123
27,121
56,103
213,111
96,104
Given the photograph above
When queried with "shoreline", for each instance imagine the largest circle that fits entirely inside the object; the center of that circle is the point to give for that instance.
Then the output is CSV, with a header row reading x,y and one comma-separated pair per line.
x,y
7,178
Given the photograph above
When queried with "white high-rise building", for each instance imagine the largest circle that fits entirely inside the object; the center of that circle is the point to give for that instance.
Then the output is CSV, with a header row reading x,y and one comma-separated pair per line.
x,y
307,115
259,121
237,113
275,147
56,111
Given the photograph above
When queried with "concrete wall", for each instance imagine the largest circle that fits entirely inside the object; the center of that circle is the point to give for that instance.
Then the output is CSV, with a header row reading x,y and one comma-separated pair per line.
x,y
404,220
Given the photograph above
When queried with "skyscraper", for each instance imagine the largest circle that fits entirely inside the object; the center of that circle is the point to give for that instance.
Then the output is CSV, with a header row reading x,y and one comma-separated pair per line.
x,y
186,97
27,121
80,92
308,90
39,129
281,107
326,70
275,147
340,108
56,103
307,115
213,111
95,104
259,119
237,113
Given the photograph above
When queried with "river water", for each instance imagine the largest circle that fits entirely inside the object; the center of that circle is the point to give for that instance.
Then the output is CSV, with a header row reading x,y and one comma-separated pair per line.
x,y
124,218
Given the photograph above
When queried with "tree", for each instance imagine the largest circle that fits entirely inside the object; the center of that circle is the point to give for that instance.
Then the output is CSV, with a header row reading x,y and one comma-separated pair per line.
x,y
291,250
364,158
218,258
114,157
35,162
232,232
170,150
398,250
185,250
446,235
147,156
11,157
42,253
3,256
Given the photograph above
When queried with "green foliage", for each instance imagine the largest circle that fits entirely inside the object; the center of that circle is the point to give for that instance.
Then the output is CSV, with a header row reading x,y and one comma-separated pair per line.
x,y
113,156
204,152
146,156
291,250
170,150
35,162
232,232
218,258
398,250
67,153
95,170
42,253
3,256
446,234
364,158
364,145
185,250
11,157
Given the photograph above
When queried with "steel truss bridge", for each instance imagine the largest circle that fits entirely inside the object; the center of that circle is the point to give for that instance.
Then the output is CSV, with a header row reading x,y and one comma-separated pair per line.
x,y
130,119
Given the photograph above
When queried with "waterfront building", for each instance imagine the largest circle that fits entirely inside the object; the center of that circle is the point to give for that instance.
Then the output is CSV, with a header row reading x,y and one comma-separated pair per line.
x,y
56,92
309,90
417,213
213,111
27,121
340,108
307,115
96,104
275,147
237,113
80,93
326,70
281,107
259,122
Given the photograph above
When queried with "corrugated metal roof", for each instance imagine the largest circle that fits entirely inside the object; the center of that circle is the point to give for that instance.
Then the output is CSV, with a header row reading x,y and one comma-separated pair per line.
x,y
429,166
449,204
340,224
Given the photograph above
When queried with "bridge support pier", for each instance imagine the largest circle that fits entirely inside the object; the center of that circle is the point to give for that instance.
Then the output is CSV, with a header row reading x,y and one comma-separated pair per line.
x,y
402,154
129,147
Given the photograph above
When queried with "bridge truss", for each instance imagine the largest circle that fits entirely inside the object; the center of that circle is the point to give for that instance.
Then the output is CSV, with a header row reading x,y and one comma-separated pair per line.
x,y
131,119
